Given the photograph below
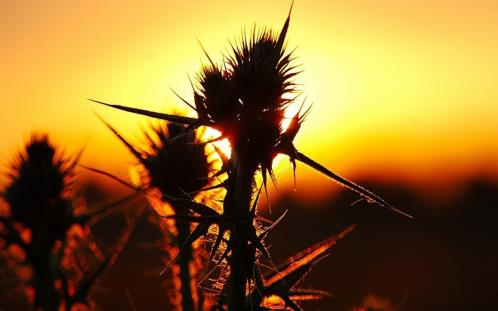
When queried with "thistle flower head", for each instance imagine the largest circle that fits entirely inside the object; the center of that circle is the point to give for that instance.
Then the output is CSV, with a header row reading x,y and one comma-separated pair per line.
x,y
176,163
216,100
38,188
261,71
173,159
244,98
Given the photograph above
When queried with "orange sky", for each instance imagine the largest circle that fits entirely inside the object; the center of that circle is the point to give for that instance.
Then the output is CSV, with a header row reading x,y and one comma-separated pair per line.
x,y
407,89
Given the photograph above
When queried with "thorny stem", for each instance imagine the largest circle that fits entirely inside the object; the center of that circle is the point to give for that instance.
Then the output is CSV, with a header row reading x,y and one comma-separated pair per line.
x,y
47,297
38,253
237,203
183,231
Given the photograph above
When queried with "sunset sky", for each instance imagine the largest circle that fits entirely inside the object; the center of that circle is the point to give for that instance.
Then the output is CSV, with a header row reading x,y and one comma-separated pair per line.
x,y
401,90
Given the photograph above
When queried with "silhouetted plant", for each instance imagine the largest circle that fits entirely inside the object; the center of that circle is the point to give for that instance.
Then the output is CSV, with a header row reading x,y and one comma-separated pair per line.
x,y
48,224
175,168
245,99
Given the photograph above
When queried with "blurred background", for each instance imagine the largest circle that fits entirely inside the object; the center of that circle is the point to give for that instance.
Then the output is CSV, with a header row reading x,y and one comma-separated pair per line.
x,y
404,101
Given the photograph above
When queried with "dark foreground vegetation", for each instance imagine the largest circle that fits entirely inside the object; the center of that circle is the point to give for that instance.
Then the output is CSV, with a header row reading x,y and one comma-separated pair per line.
x,y
445,260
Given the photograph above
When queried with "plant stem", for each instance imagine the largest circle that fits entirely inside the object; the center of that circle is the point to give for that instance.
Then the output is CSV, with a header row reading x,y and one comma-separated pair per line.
x,y
237,203
183,231
43,282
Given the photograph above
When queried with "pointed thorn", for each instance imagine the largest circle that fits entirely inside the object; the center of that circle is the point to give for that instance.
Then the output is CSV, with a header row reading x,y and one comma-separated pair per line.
x,y
113,177
121,138
254,239
370,196
262,235
152,114
183,100
255,203
206,53
199,231
216,244
283,32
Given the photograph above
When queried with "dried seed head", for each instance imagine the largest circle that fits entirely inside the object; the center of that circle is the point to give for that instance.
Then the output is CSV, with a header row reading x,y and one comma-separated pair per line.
x,y
244,98
217,95
260,71
37,193
176,162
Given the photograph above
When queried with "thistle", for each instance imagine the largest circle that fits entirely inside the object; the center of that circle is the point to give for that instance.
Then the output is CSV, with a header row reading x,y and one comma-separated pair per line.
x,y
244,99
175,168
45,220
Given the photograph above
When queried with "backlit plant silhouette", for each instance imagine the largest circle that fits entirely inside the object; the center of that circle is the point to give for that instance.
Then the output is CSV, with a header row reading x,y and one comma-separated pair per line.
x,y
175,168
47,225
245,98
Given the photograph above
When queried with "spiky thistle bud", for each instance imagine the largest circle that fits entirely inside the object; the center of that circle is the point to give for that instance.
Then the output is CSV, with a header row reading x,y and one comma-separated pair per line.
x,y
176,162
38,193
175,168
46,222
244,98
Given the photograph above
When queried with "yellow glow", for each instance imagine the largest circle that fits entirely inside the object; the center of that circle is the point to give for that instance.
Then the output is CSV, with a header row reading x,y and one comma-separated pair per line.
x,y
290,110
273,302
400,89
223,145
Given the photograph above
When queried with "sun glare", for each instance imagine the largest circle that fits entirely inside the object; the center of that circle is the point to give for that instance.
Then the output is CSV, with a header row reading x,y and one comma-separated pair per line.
x,y
290,111
224,145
